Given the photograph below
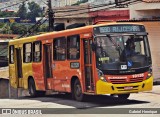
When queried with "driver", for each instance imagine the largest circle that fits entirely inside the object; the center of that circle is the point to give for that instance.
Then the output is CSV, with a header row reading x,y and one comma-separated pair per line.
x,y
129,50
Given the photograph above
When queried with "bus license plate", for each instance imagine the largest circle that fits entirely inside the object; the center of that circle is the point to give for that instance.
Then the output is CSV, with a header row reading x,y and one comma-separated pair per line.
x,y
128,88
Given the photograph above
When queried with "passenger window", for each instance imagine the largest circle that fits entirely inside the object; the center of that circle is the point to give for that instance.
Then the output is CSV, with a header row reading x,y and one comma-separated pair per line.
x,y
27,52
11,54
59,46
37,51
73,46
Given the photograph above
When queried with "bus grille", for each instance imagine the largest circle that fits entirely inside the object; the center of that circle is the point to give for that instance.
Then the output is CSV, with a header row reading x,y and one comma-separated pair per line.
x,y
124,81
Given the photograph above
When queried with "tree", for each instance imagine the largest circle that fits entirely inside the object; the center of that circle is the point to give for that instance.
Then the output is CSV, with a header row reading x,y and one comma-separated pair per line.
x,y
34,10
18,28
6,29
22,12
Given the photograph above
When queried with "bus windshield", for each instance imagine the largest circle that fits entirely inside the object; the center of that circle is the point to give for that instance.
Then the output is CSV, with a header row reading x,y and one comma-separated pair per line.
x,y
122,52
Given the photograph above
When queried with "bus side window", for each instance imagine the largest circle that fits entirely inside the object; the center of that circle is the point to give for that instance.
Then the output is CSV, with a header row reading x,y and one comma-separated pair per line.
x,y
27,52
37,51
11,54
59,46
73,47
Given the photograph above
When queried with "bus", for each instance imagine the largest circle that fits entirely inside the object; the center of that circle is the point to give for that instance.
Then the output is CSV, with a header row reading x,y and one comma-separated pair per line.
x,y
83,61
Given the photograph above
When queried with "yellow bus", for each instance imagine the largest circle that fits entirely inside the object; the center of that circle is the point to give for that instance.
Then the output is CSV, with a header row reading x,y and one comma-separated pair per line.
x,y
87,60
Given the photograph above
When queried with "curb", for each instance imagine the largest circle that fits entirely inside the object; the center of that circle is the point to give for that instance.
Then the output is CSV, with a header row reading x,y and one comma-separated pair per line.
x,y
156,83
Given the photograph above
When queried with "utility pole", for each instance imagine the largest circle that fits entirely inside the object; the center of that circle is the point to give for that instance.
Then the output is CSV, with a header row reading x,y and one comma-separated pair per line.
x,y
50,16
117,2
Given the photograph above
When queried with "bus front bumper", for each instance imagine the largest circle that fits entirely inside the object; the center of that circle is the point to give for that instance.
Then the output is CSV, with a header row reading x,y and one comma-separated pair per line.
x,y
109,88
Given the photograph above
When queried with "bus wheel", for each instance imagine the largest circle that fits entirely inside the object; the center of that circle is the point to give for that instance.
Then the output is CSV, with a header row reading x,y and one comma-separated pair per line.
x,y
32,88
77,91
123,96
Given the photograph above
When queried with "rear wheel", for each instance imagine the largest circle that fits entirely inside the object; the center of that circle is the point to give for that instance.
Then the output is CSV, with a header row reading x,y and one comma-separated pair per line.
x,y
124,96
77,91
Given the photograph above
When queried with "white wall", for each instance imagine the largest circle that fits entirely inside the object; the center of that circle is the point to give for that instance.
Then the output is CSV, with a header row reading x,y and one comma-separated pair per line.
x,y
96,2
144,10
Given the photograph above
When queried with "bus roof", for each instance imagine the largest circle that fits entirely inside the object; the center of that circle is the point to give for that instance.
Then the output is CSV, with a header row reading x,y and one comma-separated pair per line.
x,y
85,29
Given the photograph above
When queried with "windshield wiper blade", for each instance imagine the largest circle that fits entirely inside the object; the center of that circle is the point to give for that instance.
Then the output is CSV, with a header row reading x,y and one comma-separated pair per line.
x,y
114,43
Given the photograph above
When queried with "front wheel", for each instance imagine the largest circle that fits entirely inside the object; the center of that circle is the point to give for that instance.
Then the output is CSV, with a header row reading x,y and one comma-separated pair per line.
x,y
77,91
32,88
124,96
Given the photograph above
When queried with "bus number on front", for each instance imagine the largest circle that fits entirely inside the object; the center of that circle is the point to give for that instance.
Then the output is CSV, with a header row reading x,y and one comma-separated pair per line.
x,y
137,75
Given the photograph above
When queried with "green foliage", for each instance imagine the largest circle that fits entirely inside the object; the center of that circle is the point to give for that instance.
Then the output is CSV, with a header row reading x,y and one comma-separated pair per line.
x,y
43,28
34,10
18,28
22,11
6,29
1,25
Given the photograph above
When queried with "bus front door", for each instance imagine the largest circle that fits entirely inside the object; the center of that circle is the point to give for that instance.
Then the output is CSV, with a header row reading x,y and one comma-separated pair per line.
x,y
19,67
88,74
48,66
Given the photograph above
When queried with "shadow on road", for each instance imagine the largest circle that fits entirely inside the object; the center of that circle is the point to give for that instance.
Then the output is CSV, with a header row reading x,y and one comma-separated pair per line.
x,y
90,101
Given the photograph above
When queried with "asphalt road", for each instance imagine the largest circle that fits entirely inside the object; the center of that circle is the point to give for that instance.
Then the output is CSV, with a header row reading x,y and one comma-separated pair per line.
x,y
61,104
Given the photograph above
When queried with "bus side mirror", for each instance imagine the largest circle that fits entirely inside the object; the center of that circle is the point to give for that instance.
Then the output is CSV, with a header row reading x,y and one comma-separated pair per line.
x,y
93,46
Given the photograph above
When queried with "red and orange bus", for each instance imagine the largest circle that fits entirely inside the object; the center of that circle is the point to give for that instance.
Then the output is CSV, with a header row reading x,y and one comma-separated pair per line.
x,y
85,60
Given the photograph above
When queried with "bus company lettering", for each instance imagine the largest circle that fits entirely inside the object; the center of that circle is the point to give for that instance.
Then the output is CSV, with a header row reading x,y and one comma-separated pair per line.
x,y
26,111
117,77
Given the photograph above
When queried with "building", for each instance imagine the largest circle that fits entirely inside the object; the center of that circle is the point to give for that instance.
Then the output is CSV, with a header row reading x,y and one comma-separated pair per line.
x,y
98,2
91,12
107,10
72,14
149,9
148,13
1,1
62,3
4,5
110,15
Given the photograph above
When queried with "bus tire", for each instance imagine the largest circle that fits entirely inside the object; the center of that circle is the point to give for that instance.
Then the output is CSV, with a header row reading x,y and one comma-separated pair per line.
x,y
32,88
123,96
77,91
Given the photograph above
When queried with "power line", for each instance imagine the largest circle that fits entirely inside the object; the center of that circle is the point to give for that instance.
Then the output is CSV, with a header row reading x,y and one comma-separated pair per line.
x,y
96,6
33,28
133,2
44,2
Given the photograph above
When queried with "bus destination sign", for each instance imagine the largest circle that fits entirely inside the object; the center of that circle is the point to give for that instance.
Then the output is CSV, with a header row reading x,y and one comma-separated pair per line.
x,y
119,29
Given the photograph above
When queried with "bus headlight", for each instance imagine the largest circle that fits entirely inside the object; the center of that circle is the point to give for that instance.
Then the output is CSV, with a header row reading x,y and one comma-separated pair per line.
x,y
101,75
103,78
149,73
